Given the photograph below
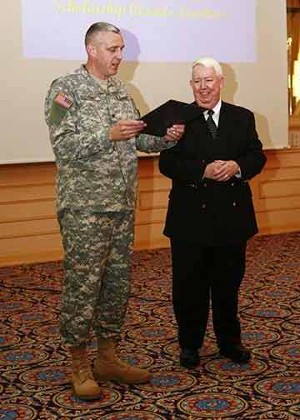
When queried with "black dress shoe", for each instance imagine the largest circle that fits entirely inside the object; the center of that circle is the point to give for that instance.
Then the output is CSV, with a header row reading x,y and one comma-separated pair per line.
x,y
189,358
238,353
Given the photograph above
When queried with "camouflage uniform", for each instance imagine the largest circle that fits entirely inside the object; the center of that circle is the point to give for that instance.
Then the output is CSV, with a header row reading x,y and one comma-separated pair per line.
x,y
96,189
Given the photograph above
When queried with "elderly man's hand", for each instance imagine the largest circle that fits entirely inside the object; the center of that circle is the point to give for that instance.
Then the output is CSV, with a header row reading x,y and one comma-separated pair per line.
x,y
221,170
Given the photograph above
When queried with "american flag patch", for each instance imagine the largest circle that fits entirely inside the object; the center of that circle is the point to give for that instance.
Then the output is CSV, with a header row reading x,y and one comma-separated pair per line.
x,y
62,100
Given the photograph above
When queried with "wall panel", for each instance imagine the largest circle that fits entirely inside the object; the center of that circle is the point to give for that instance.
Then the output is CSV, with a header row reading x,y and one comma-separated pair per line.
x,y
29,231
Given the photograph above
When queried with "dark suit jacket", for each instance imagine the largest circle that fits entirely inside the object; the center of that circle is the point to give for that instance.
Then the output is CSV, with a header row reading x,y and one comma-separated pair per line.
x,y
206,211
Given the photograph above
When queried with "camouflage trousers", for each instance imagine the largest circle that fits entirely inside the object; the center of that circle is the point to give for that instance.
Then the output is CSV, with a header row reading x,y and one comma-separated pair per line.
x,y
97,257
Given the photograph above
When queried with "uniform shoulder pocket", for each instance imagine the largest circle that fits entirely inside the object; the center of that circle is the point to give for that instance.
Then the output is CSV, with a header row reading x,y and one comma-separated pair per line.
x,y
61,105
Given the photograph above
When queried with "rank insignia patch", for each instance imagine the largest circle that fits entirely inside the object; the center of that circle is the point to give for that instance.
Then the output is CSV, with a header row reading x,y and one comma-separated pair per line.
x,y
62,100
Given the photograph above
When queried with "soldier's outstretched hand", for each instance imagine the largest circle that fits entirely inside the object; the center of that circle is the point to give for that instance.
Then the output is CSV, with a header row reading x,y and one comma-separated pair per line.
x,y
126,129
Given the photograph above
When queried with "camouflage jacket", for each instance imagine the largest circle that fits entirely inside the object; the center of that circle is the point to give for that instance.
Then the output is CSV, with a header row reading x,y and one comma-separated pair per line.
x,y
92,171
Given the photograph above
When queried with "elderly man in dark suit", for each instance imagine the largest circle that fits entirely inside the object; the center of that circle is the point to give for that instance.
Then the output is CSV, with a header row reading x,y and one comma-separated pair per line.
x,y
211,216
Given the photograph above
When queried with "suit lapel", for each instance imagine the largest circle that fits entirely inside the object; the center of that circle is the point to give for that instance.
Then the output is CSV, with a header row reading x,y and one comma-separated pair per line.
x,y
220,146
223,123
200,139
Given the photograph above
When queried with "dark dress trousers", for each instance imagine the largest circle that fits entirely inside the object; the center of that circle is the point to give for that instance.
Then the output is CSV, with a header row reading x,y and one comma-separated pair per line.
x,y
209,223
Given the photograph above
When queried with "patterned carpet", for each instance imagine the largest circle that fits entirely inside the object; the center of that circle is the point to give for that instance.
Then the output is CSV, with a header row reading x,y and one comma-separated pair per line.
x,y
34,364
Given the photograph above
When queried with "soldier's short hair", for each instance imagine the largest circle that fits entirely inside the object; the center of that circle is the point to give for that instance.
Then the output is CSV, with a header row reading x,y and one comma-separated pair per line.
x,y
99,27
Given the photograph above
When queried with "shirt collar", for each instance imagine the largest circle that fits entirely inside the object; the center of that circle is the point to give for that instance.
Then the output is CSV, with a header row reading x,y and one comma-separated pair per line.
x,y
216,109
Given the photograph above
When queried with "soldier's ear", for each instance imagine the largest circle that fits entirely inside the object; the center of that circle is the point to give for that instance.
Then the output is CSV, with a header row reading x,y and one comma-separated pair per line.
x,y
91,50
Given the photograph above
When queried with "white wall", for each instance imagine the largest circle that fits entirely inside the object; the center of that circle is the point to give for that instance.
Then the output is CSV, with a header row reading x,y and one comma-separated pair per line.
x,y
261,86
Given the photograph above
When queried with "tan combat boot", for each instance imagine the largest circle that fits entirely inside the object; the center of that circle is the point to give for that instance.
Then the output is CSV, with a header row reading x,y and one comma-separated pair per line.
x,y
82,381
108,367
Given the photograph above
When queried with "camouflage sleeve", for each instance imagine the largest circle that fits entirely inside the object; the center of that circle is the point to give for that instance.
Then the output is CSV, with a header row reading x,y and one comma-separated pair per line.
x,y
69,141
149,144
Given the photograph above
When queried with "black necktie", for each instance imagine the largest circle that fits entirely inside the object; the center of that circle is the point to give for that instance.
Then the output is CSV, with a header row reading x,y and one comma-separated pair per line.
x,y
211,124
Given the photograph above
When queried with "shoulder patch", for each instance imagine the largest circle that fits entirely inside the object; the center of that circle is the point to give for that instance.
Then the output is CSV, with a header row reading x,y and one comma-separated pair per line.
x,y
63,100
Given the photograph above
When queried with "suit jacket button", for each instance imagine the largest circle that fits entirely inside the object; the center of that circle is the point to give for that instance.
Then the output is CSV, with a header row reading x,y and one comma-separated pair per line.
x,y
232,184
234,203
203,206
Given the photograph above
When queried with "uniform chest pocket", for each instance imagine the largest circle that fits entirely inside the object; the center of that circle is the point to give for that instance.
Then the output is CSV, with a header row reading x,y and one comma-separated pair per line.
x,y
122,109
94,114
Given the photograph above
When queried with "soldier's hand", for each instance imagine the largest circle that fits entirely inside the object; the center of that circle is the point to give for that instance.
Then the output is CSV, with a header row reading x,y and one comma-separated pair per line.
x,y
174,133
126,129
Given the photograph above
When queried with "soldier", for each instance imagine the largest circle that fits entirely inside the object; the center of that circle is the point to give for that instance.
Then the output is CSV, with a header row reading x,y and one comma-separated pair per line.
x,y
95,132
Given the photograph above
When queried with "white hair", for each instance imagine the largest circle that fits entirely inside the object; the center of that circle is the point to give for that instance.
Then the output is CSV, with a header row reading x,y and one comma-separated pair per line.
x,y
209,62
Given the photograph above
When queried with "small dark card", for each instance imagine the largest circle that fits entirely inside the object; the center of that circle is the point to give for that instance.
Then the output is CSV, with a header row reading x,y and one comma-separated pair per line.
x,y
169,113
